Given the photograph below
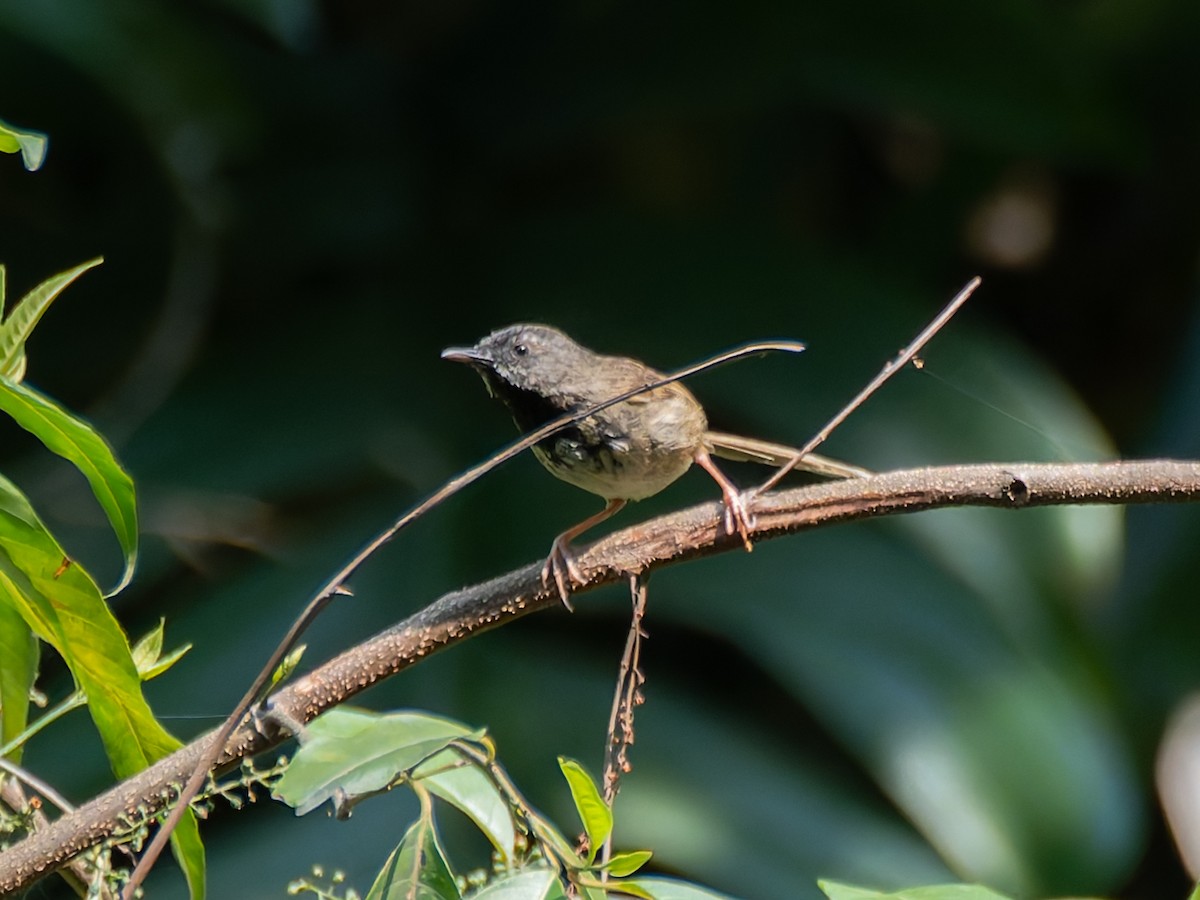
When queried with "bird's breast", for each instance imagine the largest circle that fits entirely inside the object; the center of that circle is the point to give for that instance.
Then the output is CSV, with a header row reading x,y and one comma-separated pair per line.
x,y
629,451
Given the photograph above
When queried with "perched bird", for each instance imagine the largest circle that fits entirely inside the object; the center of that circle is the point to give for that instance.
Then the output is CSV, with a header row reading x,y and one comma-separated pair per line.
x,y
628,451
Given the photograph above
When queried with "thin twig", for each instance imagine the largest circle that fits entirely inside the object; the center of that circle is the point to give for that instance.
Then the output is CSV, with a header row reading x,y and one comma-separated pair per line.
x,y
537,828
627,695
908,354
39,785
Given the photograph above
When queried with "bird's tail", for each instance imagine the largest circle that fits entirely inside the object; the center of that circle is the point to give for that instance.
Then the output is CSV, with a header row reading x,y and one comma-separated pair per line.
x,y
743,449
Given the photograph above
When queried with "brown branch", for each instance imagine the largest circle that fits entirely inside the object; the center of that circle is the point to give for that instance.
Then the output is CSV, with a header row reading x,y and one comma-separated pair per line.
x,y
693,532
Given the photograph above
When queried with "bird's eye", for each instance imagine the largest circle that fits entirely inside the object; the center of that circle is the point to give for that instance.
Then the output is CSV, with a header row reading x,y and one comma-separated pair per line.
x,y
521,350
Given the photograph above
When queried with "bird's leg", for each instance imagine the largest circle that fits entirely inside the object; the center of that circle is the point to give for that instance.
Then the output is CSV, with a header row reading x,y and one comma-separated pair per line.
x,y
560,564
736,515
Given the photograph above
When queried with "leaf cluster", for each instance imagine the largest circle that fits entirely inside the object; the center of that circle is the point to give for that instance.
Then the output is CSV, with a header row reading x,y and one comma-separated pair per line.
x,y
46,597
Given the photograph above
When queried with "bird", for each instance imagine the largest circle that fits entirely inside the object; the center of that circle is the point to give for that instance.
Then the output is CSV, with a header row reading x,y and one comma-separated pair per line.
x,y
628,451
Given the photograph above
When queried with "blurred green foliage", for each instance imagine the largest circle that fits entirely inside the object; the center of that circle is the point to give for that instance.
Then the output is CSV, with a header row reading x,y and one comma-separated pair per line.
x,y
301,204
31,145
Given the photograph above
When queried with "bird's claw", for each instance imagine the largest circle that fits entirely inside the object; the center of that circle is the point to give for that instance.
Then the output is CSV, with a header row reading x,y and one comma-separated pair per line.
x,y
560,568
738,518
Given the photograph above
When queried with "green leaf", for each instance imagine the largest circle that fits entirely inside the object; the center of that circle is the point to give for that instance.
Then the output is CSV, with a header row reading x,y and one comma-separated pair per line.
x,y
671,889
563,846
417,868
288,664
351,753
188,850
528,884
30,144
164,662
836,891
147,654
23,318
470,790
622,864
146,651
626,889
593,811
18,669
78,443
62,605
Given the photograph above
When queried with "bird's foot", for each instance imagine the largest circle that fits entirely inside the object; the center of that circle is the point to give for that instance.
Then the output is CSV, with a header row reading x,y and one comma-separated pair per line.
x,y
560,564
738,518
560,568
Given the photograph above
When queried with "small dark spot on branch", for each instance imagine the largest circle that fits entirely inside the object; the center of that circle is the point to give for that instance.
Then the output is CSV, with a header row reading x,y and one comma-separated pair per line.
x,y
1017,491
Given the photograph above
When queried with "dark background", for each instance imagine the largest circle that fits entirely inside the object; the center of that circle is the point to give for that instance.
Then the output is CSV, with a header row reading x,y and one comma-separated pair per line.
x,y
300,204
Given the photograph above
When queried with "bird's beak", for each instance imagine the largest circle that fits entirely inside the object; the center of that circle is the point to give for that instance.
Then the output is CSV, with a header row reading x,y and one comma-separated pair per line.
x,y
472,356
480,360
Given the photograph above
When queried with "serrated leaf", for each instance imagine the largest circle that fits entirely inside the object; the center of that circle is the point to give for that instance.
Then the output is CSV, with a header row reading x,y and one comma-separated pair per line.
x,y
18,669
594,813
417,868
20,321
623,864
31,145
78,443
352,753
